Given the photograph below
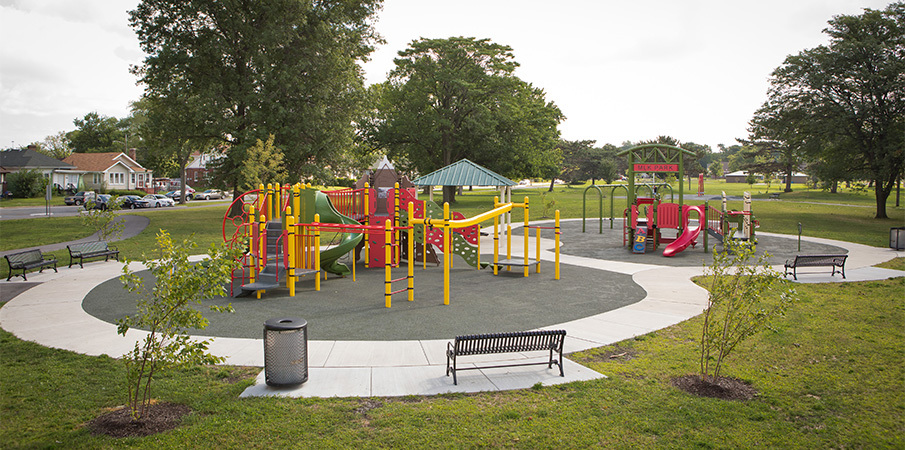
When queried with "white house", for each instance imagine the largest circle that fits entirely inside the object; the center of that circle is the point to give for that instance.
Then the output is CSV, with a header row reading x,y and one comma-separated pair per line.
x,y
113,170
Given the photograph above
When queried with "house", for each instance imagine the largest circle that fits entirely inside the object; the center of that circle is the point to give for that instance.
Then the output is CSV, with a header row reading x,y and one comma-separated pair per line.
x,y
56,171
741,176
197,171
111,170
797,178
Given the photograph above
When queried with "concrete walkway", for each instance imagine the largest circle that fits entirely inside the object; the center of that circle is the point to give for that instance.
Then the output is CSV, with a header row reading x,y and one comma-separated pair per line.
x,y
51,314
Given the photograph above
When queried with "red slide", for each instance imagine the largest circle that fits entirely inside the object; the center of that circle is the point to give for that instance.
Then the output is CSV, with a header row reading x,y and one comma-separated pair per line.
x,y
689,235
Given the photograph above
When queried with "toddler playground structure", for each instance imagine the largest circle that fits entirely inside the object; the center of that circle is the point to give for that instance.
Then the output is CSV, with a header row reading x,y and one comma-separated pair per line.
x,y
645,218
289,232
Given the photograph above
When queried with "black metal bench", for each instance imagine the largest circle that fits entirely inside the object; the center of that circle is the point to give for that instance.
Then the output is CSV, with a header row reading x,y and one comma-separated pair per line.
x,y
26,260
94,249
833,261
522,341
774,196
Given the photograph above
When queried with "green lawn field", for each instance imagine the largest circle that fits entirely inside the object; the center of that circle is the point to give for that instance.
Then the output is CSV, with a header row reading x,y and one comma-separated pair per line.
x,y
830,375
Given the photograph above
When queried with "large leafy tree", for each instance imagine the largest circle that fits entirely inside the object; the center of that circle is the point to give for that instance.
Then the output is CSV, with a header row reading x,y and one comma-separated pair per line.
x,y
251,69
845,102
95,133
455,98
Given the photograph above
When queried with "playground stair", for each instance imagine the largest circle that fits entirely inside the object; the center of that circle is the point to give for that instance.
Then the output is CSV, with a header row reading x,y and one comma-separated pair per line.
x,y
274,273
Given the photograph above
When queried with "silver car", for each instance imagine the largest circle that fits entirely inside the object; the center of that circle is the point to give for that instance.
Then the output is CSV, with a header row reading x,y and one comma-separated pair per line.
x,y
158,200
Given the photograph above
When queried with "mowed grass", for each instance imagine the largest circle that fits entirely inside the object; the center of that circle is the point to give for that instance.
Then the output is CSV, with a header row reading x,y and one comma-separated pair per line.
x,y
829,375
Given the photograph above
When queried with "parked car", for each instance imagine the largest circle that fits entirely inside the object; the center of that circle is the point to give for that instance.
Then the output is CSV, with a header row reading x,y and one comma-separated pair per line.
x,y
132,202
99,201
175,195
158,200
79,198
210,194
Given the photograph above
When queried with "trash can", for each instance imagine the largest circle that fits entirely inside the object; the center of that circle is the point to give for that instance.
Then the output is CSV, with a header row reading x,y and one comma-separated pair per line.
x,y
285,351
897,238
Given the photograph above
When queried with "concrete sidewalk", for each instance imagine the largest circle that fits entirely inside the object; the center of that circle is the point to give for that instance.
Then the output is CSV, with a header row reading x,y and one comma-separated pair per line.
x,y
50,313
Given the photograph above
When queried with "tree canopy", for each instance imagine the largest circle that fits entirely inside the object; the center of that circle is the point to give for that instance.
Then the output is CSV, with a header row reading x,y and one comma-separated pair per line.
x,y
246,70
455,98
843,104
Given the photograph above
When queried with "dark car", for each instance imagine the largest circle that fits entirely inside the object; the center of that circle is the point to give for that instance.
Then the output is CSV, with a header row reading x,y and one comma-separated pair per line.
x,y
79,198
100,201
132,202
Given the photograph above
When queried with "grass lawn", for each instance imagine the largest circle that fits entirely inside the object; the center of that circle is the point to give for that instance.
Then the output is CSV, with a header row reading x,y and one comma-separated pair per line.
x,y
830,375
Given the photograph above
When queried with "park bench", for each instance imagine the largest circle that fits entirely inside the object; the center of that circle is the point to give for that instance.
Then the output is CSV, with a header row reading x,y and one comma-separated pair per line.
x,y
774,196
522,341
26,260
94,249
833,261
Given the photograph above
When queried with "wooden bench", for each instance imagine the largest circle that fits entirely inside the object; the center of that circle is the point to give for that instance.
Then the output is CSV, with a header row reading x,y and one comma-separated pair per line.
x,y
833,261
522,341
94,249
26,260
774,196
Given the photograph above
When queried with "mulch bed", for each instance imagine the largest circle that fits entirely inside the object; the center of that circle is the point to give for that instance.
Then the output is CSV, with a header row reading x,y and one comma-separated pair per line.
x,y
724,388
157,419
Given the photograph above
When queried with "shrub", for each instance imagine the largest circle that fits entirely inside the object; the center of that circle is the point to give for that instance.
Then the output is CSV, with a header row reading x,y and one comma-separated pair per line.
x,y
745,295
26,183
167,310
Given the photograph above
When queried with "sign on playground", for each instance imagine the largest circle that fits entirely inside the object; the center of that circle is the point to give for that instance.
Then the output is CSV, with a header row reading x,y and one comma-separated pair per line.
x,y
656,167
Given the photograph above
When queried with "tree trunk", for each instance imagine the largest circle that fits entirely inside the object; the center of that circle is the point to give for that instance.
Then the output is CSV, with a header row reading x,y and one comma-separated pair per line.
x,y
788,179
552,180
882,191
449,194
834,188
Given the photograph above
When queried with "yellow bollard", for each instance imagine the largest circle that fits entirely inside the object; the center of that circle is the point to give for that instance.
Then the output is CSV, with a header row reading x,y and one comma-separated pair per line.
x,y
397,249
388,272
411,252
556,243
367,219
317,253
262,247
290,246
496,242
527,236
447,254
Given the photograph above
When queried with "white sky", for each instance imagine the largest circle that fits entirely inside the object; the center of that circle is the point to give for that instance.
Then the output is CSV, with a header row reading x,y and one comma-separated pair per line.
x,y
695,70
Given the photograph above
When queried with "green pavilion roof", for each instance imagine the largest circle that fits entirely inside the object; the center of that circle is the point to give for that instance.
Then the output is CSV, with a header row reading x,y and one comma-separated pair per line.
x,y
463,173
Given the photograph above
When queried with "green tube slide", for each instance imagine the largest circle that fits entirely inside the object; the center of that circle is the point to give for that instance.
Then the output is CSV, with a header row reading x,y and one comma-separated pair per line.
x,y
329,214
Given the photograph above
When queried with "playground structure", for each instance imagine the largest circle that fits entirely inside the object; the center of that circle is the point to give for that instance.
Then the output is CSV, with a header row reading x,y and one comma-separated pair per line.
x,y
282,229
644,218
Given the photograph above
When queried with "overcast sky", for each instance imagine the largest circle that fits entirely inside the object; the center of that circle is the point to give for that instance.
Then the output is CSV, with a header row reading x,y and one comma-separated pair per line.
x,y
620,71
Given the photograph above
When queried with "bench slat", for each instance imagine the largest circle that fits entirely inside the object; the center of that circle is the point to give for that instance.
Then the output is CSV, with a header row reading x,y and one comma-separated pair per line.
x,y
523,341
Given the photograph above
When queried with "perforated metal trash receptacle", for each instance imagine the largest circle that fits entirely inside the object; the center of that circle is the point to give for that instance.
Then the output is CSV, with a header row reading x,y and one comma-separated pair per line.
x,y
285,351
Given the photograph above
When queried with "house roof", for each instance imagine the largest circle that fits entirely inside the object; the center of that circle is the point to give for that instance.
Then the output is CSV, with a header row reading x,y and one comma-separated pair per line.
x,y
463,173
30,159
101,162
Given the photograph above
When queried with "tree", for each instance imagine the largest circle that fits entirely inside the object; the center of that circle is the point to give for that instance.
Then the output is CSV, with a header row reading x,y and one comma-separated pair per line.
x,y
715,169
55,146
168,310
95,133
263,165
693,164
27,183
103,221
847,98
171,132
745,295
455,98
252,69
